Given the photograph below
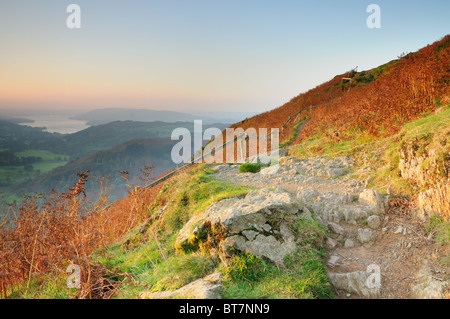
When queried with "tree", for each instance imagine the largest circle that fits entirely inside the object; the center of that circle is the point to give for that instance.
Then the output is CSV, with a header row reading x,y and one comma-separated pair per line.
x,y
28,168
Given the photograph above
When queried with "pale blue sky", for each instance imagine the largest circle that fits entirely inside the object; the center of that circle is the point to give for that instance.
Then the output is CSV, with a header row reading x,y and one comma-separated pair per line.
x,y
232,55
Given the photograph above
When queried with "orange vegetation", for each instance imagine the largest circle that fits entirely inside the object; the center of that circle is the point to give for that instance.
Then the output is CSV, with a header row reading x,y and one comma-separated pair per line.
x,y
50,231
377,101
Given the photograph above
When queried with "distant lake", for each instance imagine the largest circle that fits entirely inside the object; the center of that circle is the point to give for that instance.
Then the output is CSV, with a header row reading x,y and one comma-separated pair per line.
x,y
56,123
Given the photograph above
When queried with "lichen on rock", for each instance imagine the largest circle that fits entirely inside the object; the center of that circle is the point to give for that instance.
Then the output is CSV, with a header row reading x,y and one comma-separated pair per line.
x,y
259,223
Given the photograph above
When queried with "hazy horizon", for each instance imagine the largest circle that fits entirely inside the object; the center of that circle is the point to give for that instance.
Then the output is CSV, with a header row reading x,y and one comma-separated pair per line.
x,y
65,121
250,56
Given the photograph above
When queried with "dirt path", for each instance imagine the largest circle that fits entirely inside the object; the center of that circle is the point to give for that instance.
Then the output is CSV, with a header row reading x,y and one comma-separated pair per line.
x,y
374,251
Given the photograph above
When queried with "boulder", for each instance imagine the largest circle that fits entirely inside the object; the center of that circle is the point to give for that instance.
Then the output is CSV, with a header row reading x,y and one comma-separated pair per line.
x,y
262,246
330,243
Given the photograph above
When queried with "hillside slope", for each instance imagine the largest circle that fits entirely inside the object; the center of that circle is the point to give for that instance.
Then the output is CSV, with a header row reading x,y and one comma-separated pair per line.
x,y
377,101
105,136
130,156
339,207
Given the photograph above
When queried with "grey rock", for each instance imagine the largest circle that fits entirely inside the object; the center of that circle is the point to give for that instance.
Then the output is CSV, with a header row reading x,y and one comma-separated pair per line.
x,y
232,242
374,221
261,246
209,287
306,214
270,170
244,219
285,232
239,214
427,286
349,243
270,247
308,196
373,198
250,234
356,213
367,235
334,261
336,229
354,283
330,243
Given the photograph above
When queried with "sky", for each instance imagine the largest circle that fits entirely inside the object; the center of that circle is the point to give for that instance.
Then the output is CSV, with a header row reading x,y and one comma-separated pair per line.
x,y
216,55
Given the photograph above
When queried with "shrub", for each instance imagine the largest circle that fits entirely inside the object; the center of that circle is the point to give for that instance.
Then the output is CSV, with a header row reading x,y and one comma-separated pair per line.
x,y
250,168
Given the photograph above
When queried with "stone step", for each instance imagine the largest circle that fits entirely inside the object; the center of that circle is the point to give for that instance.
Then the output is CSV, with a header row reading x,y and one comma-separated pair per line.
x,y
362,283
348,208
348,238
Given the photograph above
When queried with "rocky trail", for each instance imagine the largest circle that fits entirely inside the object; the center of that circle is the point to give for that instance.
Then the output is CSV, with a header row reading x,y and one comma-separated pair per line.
x,y
373,251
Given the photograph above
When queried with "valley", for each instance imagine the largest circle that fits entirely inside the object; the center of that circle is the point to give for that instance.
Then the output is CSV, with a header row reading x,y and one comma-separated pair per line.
x,y
33,160
355,207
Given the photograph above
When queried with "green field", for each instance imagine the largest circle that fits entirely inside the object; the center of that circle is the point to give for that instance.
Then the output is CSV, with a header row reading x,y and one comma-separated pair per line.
x,y
11,172
14,174
45,155
45,167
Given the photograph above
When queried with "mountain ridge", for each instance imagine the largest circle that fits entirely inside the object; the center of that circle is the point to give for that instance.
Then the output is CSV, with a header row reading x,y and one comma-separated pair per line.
x,y
106,115
379,100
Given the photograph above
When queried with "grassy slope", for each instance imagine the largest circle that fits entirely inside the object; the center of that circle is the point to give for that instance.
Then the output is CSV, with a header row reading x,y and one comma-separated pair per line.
x,y
139,254
376,155
157,265
246,276
377,159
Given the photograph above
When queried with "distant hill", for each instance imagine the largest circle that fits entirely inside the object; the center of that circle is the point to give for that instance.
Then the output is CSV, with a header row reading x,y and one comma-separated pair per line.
x,y
105,136
17,137
107,115
100,137
103,149
16,120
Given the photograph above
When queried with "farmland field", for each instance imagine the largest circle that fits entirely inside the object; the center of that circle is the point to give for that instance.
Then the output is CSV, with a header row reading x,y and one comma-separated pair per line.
x,y
45,155
12,174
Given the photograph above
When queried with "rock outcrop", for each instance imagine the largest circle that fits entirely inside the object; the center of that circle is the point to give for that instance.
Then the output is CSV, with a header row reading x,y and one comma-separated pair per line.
x,y
426,162
208,287
259,224
428,287
357,282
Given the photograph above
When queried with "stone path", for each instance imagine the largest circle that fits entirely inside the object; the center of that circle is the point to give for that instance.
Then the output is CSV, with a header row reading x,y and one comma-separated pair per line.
x,y
372,254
